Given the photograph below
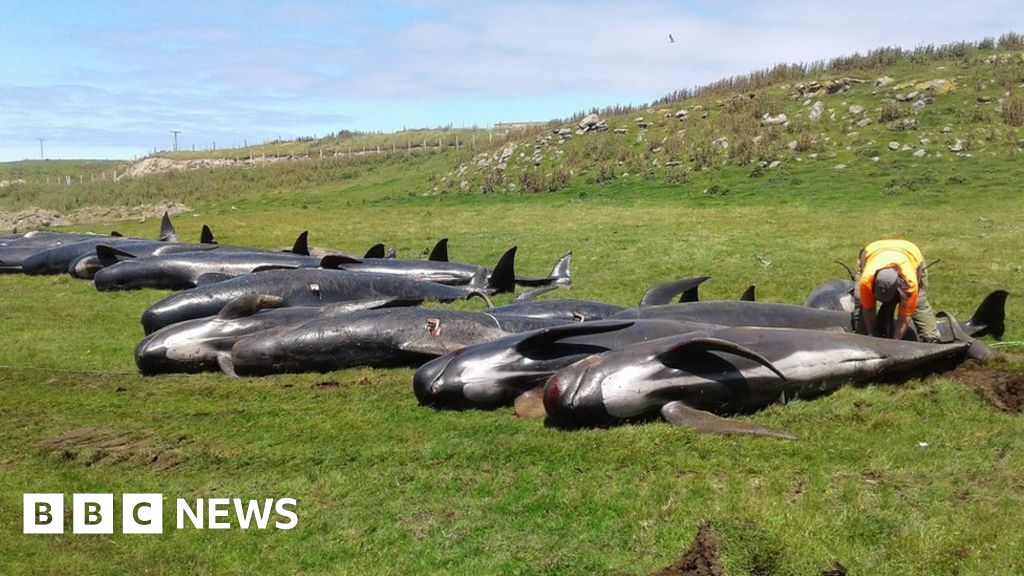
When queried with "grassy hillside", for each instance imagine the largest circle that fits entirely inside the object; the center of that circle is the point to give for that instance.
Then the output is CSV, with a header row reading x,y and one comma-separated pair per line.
x,y
954,102
920,478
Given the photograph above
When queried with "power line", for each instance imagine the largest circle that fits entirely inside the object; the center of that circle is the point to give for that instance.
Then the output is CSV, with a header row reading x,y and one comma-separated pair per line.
x,y
175,132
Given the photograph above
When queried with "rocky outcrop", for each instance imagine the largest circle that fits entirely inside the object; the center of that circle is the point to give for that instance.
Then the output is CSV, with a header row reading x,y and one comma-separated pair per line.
x,y
35,218
592,123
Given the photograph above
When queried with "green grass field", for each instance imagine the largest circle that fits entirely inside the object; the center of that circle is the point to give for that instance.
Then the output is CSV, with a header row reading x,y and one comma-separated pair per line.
x,y
919,478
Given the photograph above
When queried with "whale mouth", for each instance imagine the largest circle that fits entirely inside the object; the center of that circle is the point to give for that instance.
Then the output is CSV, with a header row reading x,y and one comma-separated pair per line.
x,y
552,394
573,399
428,385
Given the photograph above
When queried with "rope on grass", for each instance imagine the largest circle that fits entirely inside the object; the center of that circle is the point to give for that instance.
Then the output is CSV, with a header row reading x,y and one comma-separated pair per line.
x,y
68,370
1016,344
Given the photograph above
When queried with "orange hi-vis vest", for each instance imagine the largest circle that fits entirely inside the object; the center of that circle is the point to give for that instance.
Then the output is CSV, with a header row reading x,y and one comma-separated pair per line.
x,y
902,255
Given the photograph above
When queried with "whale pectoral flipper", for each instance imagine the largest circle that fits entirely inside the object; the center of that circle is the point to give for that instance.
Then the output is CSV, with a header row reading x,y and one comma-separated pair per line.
x,y
227,366
212,278
248,305
697,343
531,295
679,414
108,255
530,404
546,337
976,349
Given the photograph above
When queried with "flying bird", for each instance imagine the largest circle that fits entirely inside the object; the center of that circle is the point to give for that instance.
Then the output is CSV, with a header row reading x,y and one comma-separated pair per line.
x,y
671,40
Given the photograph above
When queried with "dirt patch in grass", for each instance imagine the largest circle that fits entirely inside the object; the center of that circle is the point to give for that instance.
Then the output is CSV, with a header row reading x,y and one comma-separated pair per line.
x,y
702,557
998,382
91,446
834,569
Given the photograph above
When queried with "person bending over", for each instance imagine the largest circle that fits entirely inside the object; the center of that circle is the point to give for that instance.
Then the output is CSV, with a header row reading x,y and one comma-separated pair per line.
x,y
893,271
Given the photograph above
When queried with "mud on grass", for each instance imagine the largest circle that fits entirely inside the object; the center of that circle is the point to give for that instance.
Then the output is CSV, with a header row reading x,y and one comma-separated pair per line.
x,y
702,557
90,446
1000,382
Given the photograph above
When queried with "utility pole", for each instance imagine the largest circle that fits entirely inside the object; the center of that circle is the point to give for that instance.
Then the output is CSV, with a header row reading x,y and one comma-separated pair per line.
x,y
41,157
175,132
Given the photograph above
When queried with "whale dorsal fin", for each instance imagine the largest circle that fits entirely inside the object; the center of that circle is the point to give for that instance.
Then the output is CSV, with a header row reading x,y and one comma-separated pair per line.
x,y
503,276
337,261
167,232
206,235
664,293
375,251
440,251
301,245
748,294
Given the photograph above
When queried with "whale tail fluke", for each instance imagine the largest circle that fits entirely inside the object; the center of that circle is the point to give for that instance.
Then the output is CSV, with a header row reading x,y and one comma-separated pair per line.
x,y
990,317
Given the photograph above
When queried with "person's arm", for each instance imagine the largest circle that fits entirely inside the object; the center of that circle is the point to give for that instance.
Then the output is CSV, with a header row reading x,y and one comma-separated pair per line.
x,y
901,328
903,315
869,320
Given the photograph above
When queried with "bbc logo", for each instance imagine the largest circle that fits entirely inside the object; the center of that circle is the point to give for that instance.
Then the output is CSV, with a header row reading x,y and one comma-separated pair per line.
x,y
93,513
144,513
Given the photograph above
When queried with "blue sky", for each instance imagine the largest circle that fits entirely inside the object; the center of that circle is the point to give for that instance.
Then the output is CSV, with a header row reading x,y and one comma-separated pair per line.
x,y
112,79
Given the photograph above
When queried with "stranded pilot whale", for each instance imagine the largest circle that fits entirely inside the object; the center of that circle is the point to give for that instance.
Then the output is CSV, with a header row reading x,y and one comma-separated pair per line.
x,y
379,338
695,378
187,269
511,369
988,318
305,287
56,260
195,345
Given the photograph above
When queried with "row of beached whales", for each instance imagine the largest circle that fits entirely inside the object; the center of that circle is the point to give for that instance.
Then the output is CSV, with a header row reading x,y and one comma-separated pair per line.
x,y
581,363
